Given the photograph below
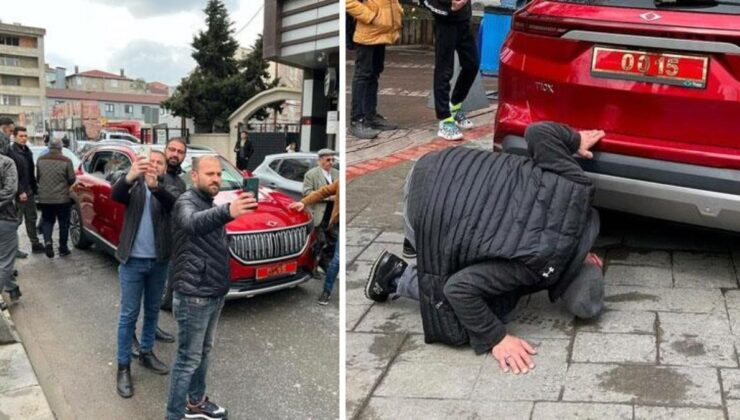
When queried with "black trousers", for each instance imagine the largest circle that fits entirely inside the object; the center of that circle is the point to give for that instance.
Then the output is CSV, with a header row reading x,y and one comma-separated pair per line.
x,y
369,60
50,213
451,37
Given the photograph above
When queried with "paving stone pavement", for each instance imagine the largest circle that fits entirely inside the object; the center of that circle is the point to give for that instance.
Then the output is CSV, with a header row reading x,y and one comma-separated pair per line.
x,y
666,346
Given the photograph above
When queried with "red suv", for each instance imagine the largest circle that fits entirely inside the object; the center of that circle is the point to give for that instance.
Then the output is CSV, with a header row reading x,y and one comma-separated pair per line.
x,y
663,81
271,248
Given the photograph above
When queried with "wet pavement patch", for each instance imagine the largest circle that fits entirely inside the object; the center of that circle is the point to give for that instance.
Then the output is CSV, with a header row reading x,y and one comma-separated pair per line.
x,y
631,297
647,384
689,347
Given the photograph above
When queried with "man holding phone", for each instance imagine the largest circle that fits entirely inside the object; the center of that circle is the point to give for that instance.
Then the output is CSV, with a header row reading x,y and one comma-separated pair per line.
x,y
144,253
200,278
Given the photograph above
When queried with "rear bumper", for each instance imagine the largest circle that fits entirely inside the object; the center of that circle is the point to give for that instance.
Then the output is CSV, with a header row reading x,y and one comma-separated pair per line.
x,y
679,192
250,289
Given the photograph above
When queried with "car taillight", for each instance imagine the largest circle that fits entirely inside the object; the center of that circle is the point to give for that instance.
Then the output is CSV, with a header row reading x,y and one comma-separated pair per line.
x,y
523,21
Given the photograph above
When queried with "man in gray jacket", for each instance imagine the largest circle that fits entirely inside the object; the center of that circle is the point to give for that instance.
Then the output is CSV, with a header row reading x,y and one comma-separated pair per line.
x,y
55,175
8,223
315,179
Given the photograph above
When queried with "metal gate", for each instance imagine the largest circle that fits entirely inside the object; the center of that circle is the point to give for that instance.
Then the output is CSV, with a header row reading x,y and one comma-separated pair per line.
x,y
160,135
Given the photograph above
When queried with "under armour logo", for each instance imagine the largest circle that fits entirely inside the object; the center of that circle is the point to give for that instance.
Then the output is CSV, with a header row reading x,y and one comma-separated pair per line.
x,y
548,272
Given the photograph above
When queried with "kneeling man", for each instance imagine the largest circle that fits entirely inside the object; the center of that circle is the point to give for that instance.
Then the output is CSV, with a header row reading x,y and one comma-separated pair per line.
x,y
491,228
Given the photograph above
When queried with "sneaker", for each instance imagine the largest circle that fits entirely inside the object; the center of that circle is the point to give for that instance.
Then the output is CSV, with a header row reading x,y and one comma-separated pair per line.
x,y
324,299
15,294
21,254
64,251
408,250
37,248
379,122
461,120
448,130
362,130
386,268
49,250
205,410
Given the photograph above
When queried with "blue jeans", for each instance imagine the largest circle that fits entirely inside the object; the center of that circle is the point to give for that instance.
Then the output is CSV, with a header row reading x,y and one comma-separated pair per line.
x,y
139,276
333,270
197,318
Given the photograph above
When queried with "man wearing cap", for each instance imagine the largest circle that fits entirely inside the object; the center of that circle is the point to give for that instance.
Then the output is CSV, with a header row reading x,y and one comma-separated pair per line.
x,y
54,175
490,228
315,179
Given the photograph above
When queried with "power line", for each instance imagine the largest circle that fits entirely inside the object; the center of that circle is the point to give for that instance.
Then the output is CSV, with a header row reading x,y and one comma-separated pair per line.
x,y
250,19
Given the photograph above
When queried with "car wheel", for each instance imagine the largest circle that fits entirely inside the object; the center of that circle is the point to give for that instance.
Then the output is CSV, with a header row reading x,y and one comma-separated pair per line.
x,y
166,302
76,233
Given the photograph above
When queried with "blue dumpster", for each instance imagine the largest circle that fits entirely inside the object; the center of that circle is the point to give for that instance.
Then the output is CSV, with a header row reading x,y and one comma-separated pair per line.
x,y
496,25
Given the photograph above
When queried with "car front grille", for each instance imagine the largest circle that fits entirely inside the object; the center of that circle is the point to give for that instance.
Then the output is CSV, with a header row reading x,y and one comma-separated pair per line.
x,y
266,246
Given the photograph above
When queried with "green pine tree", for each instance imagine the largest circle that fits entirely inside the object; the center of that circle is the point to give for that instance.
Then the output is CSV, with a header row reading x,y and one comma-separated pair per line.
x,y
220,83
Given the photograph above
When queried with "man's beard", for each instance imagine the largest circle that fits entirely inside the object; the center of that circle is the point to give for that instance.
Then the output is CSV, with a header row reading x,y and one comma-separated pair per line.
x,y
173,164
206,190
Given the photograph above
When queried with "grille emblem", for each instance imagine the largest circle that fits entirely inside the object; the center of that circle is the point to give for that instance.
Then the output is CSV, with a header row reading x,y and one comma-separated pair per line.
x,y
650,16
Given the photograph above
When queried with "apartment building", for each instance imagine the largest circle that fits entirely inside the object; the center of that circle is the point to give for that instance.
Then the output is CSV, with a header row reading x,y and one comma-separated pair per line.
x,y
22,76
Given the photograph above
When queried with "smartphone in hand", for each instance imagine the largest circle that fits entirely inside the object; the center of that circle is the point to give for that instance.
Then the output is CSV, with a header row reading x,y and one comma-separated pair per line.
x,y
252,185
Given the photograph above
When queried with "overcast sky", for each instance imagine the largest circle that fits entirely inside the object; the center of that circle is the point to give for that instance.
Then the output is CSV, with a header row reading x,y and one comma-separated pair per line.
x,y
148,38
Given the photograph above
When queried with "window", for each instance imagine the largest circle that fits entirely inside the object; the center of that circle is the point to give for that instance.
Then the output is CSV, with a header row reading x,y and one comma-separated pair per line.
x,y
231,178
128,109
12,100
9,40
114,83
98,163
274,164
9,60
295,169
78,81
118,163
10,80
110,108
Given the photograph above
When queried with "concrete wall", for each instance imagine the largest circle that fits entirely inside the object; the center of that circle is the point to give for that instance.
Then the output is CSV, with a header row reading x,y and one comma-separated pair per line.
x,y
220,142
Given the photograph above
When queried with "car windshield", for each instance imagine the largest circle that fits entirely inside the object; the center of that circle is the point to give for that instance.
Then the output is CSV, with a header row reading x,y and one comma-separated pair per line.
x,y
231,178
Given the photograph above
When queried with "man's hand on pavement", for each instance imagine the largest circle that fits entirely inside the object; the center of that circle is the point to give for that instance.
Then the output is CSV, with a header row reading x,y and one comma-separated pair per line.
x,y
588,139
140,166
242,204
515,353
297,206
457,5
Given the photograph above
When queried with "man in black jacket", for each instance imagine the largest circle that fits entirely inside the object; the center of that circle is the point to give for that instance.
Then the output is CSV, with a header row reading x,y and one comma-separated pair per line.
x,y
27,187
491,228
200,277
144,251
244,150
452,33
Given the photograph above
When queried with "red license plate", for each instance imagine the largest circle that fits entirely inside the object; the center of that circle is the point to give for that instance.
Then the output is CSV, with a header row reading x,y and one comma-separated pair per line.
x,y
276,270
671,69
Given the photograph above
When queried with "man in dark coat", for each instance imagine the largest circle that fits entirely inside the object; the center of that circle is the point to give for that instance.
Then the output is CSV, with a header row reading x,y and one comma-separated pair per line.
x,y
244,150
491,228
27,186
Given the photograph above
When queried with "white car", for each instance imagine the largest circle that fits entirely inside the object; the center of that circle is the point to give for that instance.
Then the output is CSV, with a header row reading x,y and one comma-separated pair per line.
x,y
284,172
117,135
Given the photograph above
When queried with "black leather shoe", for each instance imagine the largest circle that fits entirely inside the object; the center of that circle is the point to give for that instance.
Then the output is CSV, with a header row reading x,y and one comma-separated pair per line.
x,y
164,336
15,294
408,250
135,347
15,273
386,268
150,361
49,250
37,249
64,251
379,122
123,381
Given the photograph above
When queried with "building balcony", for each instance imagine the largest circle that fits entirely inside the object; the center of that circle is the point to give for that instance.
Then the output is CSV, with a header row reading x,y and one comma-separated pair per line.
x,y
21,71
16,109
22,91
26,52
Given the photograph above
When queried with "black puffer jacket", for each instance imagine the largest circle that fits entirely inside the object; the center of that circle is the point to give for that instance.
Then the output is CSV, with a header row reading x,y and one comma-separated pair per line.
x,y
133,196
468,206
442,10
200,258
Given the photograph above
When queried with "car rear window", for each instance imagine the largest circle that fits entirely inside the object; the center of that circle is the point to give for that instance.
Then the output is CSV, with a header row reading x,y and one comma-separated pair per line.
x,y
727,9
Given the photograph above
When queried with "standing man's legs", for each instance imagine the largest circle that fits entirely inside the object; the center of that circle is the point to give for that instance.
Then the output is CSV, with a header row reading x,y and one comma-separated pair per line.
x,y
361,83
132,276
48,217
63,215
28,213
8,248
378,64
153,289
445,42
196,327
331,276
467,52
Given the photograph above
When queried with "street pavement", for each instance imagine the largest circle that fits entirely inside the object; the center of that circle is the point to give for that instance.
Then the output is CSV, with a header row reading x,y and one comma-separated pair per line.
x,y
665,346
276,356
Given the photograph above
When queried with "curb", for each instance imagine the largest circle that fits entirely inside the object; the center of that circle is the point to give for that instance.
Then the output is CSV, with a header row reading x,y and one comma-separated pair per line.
x,y
365,167
21,396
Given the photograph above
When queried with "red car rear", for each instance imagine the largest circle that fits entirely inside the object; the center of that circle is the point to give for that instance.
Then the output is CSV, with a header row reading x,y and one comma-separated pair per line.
x,y
662,81
271,248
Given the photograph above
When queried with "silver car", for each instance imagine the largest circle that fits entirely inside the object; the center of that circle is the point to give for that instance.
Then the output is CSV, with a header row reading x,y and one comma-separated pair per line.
x,y
284,172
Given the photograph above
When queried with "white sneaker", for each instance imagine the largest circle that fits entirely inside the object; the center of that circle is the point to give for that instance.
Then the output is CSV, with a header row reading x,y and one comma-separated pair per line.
x,y
449,131
462,121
